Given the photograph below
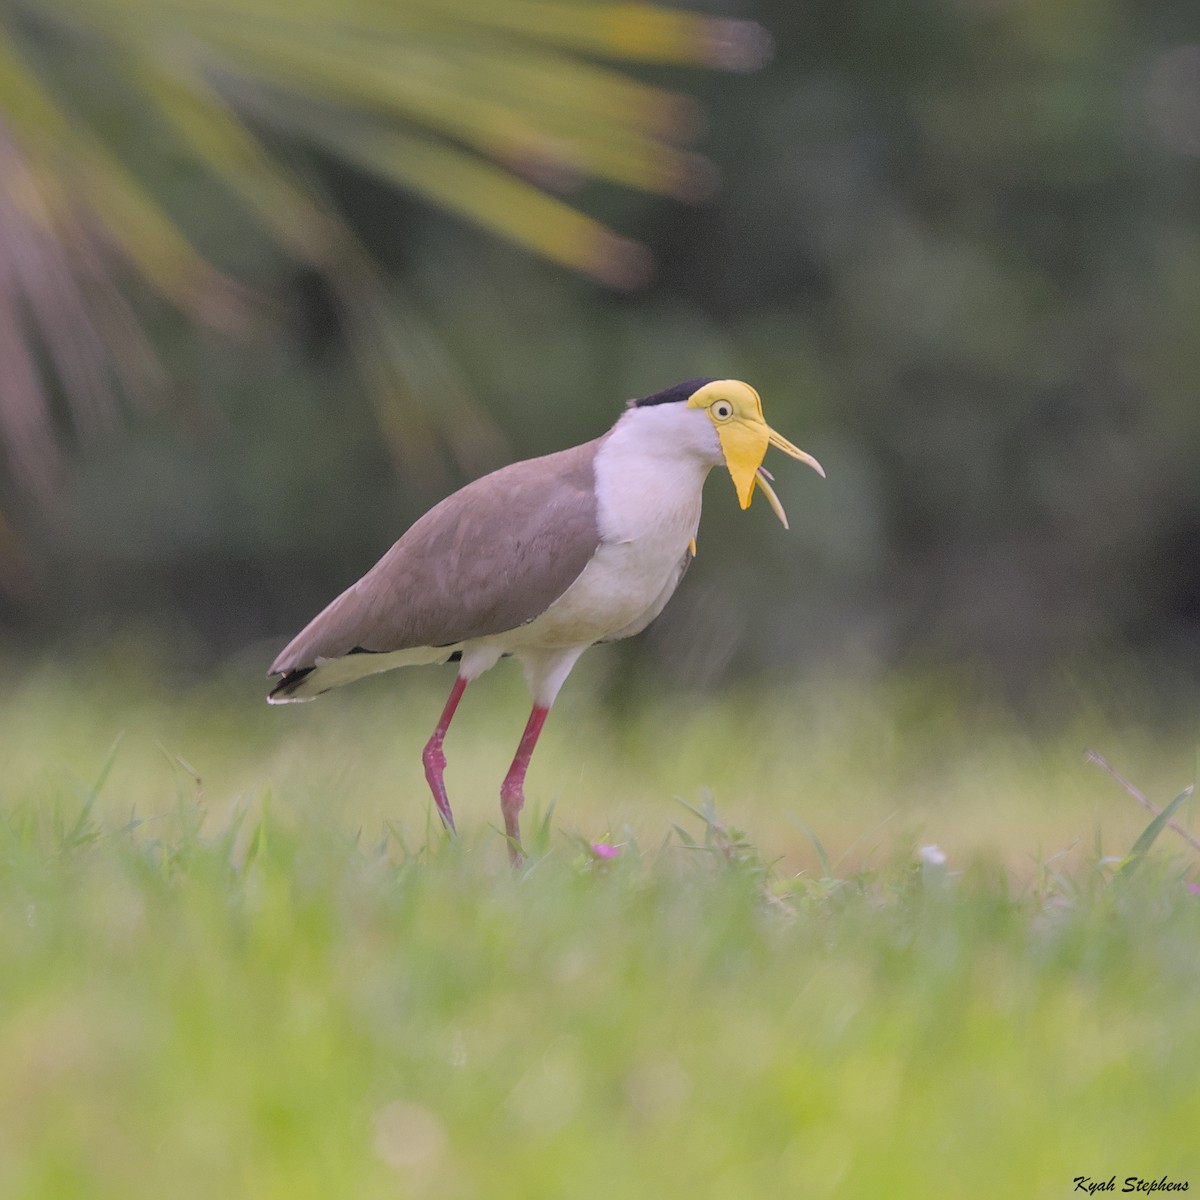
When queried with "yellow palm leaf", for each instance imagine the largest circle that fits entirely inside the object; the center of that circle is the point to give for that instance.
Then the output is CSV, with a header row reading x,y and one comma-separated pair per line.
x,y
482,109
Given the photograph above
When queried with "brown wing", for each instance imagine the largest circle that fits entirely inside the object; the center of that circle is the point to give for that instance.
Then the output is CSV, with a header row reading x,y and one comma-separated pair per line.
x,y
487,559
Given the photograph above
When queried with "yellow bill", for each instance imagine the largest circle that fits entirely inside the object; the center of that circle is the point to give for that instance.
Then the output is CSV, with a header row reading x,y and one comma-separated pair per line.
x,y
764,484
736,412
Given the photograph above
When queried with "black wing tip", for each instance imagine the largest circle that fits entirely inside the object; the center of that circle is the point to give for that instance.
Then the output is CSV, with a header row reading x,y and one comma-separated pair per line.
x,y
676,394
290,678
288,683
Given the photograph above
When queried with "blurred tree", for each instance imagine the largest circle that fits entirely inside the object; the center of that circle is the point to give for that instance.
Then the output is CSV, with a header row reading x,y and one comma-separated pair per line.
x,y
483,109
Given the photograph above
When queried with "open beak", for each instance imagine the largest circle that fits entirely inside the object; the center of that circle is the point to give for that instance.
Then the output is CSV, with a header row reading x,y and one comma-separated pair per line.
x,y
745,446
781,443
764,485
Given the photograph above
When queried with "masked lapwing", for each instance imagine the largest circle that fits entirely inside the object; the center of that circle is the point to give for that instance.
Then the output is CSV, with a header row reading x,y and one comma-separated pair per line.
x,y
541,560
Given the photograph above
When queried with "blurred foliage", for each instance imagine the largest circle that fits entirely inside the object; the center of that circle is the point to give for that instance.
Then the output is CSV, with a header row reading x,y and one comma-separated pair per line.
x,y
480,109
956,246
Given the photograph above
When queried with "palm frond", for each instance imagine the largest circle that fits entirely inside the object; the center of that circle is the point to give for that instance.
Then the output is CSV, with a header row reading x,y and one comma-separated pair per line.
x,y
482,109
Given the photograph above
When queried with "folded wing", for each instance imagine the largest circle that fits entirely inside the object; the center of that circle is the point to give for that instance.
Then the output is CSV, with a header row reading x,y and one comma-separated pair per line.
x,y
487,559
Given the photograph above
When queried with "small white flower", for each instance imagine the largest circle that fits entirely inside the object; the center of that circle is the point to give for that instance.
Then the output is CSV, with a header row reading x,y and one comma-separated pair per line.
x,y
932,855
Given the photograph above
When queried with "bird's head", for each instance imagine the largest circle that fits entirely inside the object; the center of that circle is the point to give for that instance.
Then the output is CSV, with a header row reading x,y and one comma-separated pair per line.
x,y
735,410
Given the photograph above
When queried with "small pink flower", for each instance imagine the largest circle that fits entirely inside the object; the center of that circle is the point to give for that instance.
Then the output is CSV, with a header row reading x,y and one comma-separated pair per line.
x,y
604,850
1194,888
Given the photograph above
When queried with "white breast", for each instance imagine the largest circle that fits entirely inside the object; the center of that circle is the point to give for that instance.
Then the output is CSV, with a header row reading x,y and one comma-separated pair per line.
x,y
650,473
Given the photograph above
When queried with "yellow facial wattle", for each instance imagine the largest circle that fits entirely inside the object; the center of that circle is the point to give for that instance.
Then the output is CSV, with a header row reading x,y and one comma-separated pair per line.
x,y
735,410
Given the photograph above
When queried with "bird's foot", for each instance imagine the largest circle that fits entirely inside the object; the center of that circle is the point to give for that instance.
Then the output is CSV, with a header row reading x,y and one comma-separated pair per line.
x,y
435,769
512,790
512,800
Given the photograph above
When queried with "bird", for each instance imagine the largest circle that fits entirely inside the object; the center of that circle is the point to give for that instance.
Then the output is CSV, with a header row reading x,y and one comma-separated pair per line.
x,y
540,560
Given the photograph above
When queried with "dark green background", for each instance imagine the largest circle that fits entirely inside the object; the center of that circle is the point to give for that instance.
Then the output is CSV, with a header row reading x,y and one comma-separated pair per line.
x,y
955,246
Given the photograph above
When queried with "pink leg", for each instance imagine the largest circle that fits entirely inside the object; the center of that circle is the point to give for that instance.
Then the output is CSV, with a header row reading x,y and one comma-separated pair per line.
x,y
512,790
435,760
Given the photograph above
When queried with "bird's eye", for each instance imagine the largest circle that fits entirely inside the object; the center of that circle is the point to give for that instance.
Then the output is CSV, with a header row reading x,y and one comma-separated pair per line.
x,y
722,410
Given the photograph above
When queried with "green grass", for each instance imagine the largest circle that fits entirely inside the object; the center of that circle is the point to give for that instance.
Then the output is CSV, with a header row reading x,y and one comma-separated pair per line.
x,y
276,980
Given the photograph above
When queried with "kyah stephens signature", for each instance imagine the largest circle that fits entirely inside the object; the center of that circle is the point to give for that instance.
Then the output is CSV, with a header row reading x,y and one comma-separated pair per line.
x,y
1133,1183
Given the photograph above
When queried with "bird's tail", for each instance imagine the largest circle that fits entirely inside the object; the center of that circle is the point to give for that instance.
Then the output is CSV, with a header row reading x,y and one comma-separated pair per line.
x,y
291,687
309,682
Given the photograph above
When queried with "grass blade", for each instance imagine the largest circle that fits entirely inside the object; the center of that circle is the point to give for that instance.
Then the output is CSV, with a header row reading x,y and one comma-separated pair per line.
x,y
1150,833
822,857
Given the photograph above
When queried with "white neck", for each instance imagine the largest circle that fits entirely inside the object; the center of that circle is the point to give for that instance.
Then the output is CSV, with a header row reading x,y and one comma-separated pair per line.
x,y
650,472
